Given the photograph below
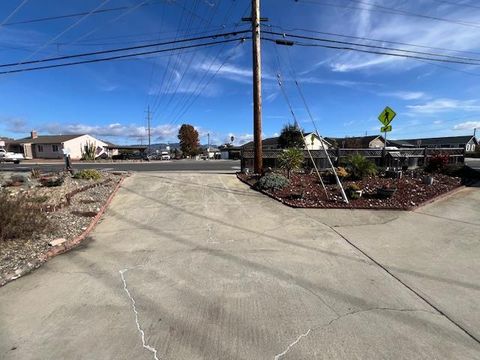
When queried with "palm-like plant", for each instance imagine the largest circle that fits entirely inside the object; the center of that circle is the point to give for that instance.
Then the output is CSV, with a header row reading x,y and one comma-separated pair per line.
x,y
291,159
359,167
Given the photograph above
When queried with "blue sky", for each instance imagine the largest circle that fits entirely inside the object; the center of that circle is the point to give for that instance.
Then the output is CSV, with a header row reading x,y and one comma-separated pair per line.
x,y
345,90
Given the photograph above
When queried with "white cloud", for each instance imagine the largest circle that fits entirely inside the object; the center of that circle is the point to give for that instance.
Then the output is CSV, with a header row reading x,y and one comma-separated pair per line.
x,y
160,132
404,29
406,95
468,125
445,105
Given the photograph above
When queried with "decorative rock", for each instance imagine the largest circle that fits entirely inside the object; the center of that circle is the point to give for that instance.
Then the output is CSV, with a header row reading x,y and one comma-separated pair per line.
x,y
57,242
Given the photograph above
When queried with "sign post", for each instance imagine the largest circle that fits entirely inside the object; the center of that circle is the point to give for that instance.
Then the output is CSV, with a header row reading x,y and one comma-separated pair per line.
x,y
386,117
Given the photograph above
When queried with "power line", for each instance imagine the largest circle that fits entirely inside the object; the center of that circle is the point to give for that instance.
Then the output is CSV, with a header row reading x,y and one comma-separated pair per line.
x,y
350,48
370,39
117,57
66,16
388,10
371,46
58,36
100,52
17,9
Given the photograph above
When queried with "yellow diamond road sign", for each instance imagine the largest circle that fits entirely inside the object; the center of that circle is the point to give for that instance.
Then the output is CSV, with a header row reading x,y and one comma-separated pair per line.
x,y
387,116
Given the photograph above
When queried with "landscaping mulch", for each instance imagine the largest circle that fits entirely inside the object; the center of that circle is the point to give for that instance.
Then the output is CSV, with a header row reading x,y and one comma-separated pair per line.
x,y
306,191
67,222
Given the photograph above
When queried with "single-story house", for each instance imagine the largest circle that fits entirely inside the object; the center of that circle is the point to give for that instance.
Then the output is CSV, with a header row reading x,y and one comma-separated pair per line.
x,y
358,142
467,142
311,139
53,146
230,152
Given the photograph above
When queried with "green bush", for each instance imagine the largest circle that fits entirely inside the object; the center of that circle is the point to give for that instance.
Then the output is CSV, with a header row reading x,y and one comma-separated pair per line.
x,y
19,218
359,167
291,159
272,181
88,174
89,151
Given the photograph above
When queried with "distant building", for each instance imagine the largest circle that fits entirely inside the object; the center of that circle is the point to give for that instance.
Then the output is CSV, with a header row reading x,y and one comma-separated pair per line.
x,y
312,142
358,142
467,142
52,146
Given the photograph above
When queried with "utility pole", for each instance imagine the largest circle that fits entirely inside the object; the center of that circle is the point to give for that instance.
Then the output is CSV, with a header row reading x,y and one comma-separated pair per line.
x,y
148,127
257,88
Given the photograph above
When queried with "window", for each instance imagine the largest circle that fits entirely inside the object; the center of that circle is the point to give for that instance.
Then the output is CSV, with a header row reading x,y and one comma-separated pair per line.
x,y
55,148
40,148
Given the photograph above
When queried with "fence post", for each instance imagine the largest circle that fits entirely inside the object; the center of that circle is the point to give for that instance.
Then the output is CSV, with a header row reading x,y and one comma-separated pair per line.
x,y
337,163
425,155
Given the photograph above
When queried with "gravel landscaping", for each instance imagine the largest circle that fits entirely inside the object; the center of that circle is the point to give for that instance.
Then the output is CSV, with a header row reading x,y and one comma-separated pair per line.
x,y
69,209
306,191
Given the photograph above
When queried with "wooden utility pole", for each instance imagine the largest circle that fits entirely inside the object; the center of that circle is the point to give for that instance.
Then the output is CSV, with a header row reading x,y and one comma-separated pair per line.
x,y
257,89
148,126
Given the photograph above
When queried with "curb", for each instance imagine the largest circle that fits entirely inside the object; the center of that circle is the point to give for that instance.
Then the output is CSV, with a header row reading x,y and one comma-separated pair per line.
x,y
67,246
407,208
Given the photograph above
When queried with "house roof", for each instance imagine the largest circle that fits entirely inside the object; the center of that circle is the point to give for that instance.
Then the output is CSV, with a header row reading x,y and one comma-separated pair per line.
x,y
268,141
48,139
354,141
462,139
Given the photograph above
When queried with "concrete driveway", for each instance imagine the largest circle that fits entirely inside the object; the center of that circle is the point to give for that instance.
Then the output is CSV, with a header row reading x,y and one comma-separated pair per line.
x,y
198,266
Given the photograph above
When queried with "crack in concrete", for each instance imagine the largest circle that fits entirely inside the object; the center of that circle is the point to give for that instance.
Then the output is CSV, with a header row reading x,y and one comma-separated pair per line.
x,y
324,326
140,330
278,356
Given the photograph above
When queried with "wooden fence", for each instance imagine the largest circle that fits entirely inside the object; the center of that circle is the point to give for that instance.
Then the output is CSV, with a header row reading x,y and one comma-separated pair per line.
x,y
411,157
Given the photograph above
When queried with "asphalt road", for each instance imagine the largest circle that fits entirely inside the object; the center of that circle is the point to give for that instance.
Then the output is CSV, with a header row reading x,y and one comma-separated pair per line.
x,y
172,165
193,266
473,163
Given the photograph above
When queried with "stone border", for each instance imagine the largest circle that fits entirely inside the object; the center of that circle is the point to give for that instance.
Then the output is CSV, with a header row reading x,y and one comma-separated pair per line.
x,y
407,208
66,246
70,195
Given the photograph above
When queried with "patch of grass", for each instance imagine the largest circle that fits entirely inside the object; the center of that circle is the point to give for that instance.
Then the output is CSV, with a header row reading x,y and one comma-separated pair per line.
x,y
38,199
19,218
88,174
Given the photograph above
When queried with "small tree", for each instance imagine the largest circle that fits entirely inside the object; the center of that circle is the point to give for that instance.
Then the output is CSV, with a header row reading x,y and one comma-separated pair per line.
x,y
291,159
189,142
291,137
359,167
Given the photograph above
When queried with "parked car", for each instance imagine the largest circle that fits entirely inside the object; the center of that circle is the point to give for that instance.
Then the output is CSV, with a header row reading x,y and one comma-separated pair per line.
x,y
165,155
6,156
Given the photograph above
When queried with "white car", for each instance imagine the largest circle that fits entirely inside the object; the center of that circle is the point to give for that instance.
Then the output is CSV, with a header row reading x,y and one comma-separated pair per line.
x,y
165,155
6,156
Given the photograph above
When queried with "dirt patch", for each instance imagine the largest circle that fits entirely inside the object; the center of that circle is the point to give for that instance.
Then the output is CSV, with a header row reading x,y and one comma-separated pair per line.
x,y
306,191
83,200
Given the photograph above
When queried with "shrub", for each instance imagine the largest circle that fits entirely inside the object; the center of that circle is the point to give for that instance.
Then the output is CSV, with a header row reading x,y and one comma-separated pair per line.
x,y
437,162
88,174
19,218
342,172
360,167
89,151
352,191
291,159
272,181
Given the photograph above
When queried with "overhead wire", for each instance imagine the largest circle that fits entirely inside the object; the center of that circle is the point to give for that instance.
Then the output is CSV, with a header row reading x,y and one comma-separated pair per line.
x,y
12,14
59,35
185,103
388,10
285,29
129,48
117,57
459,58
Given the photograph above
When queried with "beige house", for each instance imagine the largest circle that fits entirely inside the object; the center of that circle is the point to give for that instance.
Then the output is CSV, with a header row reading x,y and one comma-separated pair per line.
x,y
358,142
53,146
312,142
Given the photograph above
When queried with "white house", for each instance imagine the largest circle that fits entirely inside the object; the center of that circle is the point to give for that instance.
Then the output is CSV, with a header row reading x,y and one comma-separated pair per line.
x,y
52,146
312,142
